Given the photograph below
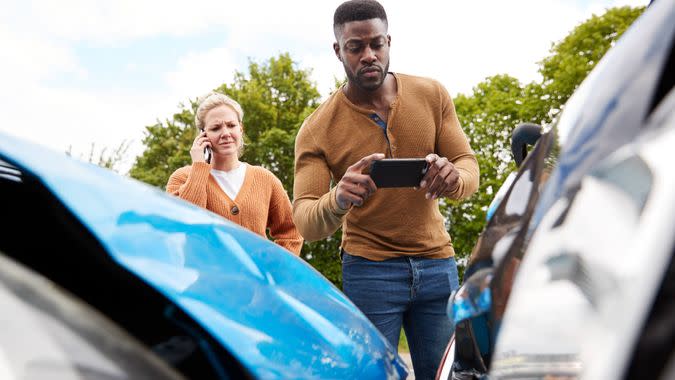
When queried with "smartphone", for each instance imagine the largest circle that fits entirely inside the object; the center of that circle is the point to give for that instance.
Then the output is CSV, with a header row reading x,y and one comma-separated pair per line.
x,y
398,172
207,153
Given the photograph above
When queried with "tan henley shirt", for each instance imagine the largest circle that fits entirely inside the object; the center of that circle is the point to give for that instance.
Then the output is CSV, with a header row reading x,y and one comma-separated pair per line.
x,y
392,222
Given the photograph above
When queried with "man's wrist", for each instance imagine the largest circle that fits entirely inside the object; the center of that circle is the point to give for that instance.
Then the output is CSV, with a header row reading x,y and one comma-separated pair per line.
x,y
452,193
339,206
335,205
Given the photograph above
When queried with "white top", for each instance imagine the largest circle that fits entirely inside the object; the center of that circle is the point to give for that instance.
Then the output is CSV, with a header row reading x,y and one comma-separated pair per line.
x,y
231,181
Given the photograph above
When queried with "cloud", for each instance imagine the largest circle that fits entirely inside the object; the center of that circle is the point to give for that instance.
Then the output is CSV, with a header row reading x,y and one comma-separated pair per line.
x,y
462,43
113,21
325,69
27,60
198,73
106,22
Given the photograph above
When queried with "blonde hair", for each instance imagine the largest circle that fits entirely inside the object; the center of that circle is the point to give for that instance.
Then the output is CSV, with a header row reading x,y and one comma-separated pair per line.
x,y
213,100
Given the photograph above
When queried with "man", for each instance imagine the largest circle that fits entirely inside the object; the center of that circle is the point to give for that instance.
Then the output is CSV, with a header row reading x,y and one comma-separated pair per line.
x,y
398,264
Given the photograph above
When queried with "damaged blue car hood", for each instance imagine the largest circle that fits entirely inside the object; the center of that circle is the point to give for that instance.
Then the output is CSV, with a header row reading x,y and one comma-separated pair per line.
x,y
271,310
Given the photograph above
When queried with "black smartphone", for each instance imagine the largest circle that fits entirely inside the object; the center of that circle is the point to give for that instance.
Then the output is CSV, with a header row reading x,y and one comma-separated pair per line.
x,y
207,153
398,172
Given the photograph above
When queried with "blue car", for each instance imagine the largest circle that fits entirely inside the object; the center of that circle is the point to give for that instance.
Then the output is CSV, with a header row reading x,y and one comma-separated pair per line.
x,y
105,277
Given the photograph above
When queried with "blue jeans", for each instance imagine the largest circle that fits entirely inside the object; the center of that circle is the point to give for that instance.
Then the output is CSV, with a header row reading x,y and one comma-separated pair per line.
x,y
411,292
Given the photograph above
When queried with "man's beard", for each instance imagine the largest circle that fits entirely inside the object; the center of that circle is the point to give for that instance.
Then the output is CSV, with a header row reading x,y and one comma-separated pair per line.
x,y
367,85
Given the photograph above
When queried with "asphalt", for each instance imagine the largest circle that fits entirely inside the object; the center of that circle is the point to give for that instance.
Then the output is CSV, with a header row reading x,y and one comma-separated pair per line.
x,y
406,358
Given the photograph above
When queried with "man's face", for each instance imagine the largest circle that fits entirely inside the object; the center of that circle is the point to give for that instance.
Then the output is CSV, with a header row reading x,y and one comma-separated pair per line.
x,y
363,49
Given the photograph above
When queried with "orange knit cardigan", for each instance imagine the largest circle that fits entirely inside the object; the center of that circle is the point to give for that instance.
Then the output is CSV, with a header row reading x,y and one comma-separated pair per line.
x,y
261,203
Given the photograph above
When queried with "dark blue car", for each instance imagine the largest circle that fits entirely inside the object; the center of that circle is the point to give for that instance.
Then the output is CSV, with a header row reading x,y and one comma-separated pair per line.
x,y
573,276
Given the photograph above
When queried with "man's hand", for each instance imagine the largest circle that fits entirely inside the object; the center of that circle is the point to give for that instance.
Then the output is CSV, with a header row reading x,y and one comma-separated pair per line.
x,y
441,177
355,187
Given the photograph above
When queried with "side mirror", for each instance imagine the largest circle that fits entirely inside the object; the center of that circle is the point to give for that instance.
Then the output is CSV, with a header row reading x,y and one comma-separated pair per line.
x,y
523,135
473,298
469,309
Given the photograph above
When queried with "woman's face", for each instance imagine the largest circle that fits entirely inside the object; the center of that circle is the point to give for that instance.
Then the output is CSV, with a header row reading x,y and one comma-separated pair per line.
x,y
223,130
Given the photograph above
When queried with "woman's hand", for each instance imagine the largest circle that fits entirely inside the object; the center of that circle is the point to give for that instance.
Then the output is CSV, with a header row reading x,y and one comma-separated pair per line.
x,y
197,151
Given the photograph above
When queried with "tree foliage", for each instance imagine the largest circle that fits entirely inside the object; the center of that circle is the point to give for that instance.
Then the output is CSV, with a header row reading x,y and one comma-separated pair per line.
x,y
167,146
324,255
276,98
499,103
573,57
488,116
275,95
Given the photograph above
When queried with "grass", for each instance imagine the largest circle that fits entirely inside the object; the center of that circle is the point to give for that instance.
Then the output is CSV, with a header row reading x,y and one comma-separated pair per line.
x,y
403,343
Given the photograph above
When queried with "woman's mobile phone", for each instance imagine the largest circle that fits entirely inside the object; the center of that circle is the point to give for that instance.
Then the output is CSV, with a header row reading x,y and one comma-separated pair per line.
x,y
398,172
207,153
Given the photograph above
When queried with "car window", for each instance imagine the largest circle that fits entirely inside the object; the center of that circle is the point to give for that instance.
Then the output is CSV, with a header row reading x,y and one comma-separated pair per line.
x,y
667,80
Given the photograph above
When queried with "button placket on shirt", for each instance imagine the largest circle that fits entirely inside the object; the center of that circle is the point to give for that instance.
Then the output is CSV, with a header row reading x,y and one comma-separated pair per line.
x,y
383,126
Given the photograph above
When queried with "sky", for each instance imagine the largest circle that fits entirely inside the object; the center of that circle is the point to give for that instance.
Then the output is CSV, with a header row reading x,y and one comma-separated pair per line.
x,y
79,72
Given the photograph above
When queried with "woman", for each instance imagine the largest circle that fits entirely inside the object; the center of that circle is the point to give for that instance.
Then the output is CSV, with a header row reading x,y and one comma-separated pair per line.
x,y
248,195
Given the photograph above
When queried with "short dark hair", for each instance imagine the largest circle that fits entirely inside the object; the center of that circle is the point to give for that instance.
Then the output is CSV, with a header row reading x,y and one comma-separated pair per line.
x,y
358,10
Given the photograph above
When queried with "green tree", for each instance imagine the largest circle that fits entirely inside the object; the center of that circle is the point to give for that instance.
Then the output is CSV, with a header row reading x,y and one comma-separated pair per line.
x,y
488,117
276,97
573,57
167,147
324,256
501,102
